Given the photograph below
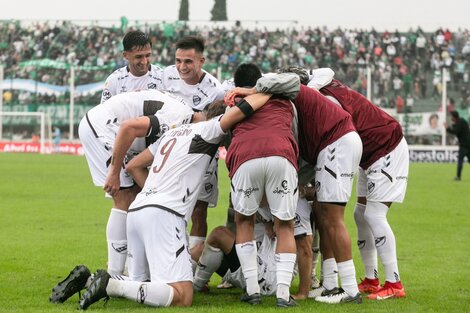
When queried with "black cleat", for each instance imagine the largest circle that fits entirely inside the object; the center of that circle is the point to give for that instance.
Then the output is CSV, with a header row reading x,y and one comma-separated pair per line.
x,y
281,303
72,284
97,289
253,299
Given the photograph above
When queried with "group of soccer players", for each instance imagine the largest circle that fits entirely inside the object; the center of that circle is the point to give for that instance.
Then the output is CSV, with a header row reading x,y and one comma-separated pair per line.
x,y
275,122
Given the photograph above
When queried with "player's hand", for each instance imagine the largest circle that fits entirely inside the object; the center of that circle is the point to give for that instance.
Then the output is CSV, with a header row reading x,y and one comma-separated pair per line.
x,y
112,184
230,96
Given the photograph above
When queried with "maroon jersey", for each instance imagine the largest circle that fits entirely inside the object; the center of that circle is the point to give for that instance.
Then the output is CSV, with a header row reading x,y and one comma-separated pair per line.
x,y
321,122
380,133
266,133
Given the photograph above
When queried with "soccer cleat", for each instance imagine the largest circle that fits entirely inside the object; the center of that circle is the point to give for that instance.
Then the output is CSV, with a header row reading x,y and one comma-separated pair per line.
x,y
97,289
340,296
368,285
456,178
72,284
253,299
321,291
225,285
281,303
388,291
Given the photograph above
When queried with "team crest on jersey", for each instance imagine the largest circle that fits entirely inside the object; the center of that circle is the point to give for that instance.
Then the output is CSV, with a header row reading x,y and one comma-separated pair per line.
x,y
371,186
208,187
296,220
317,186
196,99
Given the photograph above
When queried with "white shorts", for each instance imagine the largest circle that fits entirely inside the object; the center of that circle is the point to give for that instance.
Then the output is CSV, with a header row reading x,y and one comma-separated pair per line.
x,y
336,166
157,246
210,186
273,175
302,225
98,152
386,179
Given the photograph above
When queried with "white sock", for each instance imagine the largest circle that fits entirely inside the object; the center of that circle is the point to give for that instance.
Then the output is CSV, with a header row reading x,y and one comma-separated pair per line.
x,y
209,262
117,241
194,240
284,271
366,243
330,274
149,293
376,217
347,275
247,255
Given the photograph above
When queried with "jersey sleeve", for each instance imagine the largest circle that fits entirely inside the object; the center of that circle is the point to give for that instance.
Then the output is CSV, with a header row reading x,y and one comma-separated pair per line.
x,y
109,89
285,84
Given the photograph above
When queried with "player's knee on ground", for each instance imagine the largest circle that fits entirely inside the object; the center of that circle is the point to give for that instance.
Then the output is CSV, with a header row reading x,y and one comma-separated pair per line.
x,y
183,293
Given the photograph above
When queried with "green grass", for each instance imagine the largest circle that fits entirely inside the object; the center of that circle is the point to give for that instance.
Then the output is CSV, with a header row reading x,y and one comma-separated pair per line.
x,y
52,218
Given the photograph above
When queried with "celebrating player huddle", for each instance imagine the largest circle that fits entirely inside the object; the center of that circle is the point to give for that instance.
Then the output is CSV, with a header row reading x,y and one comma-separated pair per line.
x,y
154,152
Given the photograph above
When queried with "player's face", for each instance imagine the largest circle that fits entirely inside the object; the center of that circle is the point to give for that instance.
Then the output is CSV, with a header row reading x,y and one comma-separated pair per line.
x,y
189,64
139,60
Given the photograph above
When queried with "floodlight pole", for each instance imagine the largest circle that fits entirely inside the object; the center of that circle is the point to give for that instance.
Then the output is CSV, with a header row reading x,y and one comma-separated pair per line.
x,y
444,103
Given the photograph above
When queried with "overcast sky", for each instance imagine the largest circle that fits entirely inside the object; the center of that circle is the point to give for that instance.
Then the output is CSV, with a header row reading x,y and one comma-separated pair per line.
x,y
381,14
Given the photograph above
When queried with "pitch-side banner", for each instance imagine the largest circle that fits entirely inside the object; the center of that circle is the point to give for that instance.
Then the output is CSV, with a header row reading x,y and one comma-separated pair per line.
x,y
418,124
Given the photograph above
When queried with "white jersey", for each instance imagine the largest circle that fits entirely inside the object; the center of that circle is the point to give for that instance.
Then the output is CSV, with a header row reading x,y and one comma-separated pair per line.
x,y
196,96
105,119
122,80
181,157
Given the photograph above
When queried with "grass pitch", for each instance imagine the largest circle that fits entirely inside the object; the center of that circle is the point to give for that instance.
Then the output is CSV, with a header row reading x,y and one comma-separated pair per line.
x,y
53,218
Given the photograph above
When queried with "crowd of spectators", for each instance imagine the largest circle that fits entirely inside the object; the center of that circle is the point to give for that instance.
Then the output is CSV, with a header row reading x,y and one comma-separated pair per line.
x,y
406,66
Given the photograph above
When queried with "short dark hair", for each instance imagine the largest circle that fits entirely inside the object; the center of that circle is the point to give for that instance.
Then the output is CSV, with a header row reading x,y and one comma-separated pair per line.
x,y
191,42
135,39
455,114
214,109
246,75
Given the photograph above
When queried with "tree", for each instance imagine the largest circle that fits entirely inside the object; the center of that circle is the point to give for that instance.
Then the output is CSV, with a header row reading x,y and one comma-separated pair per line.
x,y
184,10
219,11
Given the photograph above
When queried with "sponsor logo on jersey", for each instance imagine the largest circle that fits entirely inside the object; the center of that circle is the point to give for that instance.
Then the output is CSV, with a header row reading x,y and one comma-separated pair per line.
x,y
248,192
317,186
142,293
106,94
120,247
152,86
196,100
284,190
350,175
202,91
401,178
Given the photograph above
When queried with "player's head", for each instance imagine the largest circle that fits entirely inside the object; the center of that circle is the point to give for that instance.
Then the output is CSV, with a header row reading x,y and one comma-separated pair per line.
x,y
454,115
301,72
214,109
137,51
246,75
189,59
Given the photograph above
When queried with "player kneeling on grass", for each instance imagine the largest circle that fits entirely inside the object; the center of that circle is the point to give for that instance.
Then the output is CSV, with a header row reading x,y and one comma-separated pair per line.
x,y
157,244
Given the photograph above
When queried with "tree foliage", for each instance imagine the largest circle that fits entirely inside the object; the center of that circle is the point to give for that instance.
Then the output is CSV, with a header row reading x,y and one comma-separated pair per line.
x,y
219,11
184,10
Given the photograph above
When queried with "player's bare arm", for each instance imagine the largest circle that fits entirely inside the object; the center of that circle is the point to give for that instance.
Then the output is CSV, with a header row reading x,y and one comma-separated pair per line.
x,y
128,131
138,167
243,110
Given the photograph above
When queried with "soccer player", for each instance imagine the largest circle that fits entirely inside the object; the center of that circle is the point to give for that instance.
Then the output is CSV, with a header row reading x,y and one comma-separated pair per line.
x,y
156,224
460,129
146,113
262,160
138,74
329,141
187,79
383,173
